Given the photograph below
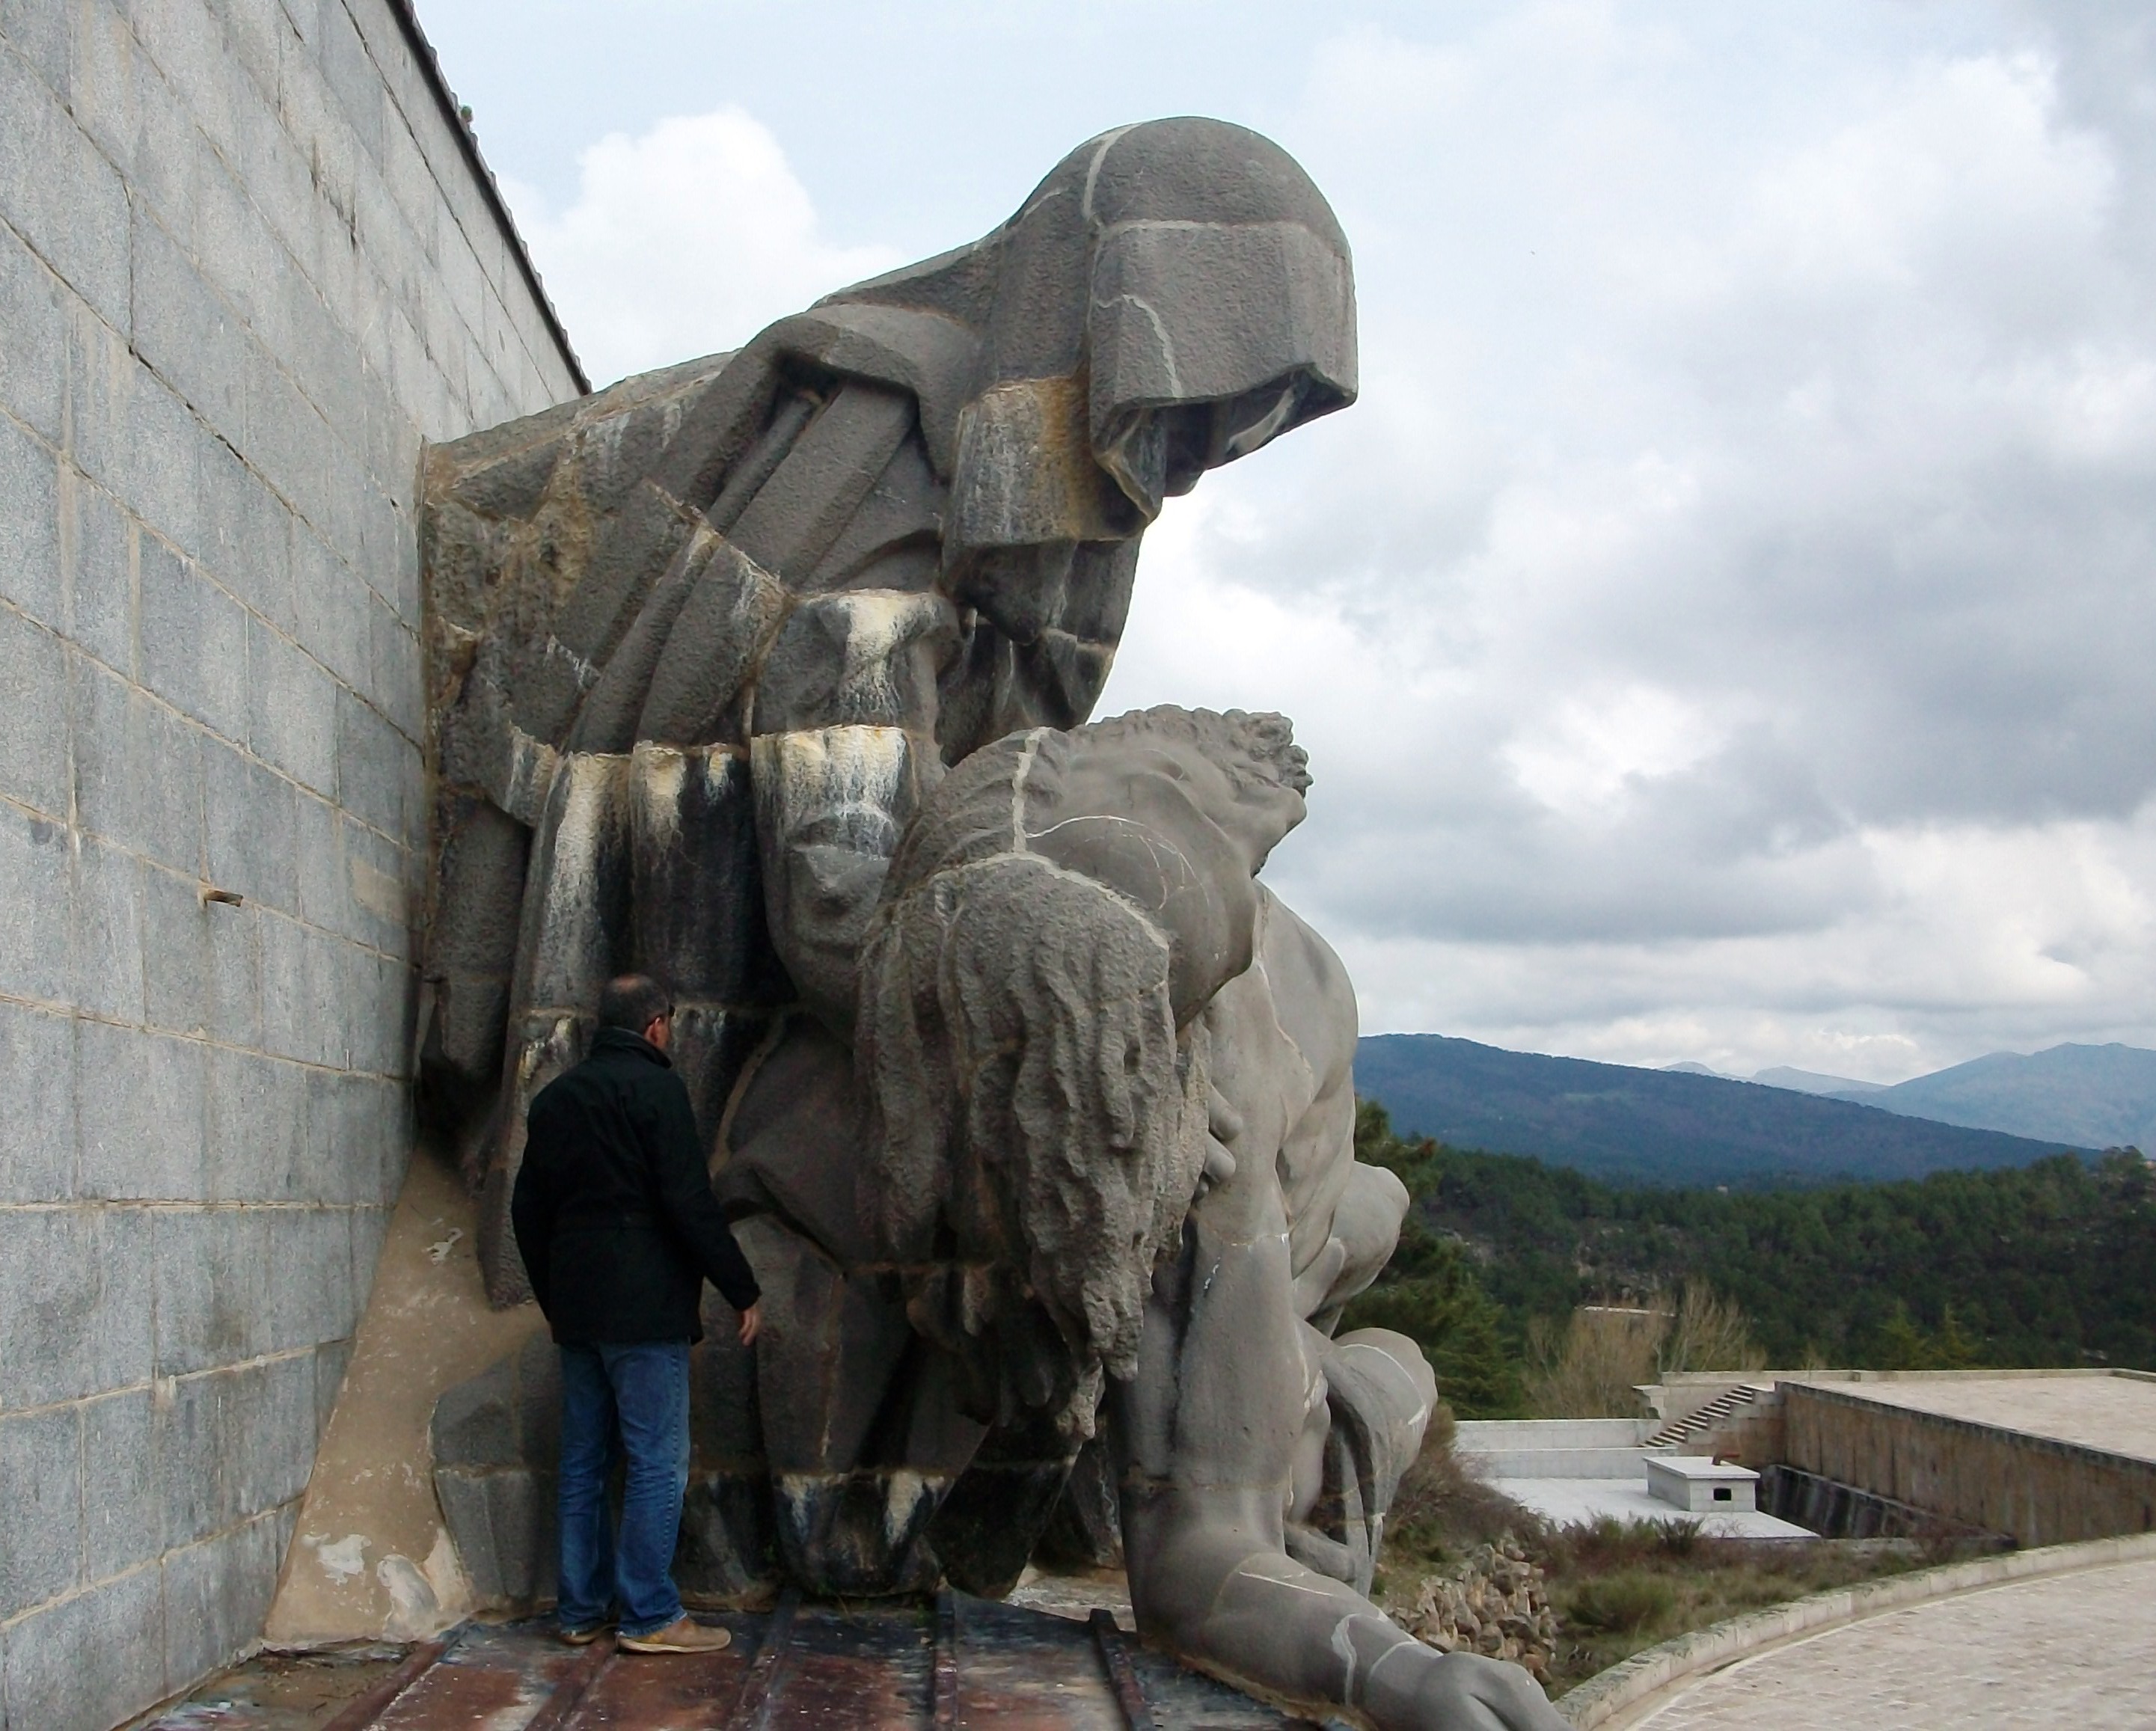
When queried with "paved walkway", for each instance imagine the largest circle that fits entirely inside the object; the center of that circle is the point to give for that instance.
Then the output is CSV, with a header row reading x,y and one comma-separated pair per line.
x,y
2070,1652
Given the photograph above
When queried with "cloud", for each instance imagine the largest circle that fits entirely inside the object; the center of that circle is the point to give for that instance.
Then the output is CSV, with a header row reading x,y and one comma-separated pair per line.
x,y
684,240
1720,632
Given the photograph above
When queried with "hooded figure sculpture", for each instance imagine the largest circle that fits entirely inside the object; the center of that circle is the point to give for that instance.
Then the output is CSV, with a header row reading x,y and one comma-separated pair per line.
x,y
698,643
701,648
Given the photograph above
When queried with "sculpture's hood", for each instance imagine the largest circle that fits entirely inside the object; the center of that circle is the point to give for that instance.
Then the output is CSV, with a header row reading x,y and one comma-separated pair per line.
x,y
1173,296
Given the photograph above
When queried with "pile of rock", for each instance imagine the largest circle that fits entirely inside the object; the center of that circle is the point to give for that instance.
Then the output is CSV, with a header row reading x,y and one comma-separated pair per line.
x,y
1496,1603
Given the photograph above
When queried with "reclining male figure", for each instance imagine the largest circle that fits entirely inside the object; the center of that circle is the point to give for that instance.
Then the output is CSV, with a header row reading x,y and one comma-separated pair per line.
x,y
1114,1152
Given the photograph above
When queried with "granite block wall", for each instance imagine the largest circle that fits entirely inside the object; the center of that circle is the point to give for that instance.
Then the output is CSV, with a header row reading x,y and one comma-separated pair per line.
x,y
249,262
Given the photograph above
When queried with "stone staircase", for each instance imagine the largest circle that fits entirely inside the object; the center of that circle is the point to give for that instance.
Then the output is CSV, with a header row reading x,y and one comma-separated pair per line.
x,y
1679,1432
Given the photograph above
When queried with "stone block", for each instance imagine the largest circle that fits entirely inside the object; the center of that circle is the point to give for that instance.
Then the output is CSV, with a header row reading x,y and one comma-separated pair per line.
x,y
137,770
139,1114
384,991
331,1359
177,982
251,829
395,683
286,1028
254,30
342,1161
39,32
35,869
235,1444
281,180
129,431
185,44
59,194
103,85
370,1228
54,1681
33,769
281,1434
320,833
167,143
246,536
256,1137
329,604
475,1423
329,977
377,768
193,645
233,991
350,72
288,443
75,1289
378,910
106,935
99,605
193,340
37,1131
123,1514
216,1597
34,365
211,1288
30,515
309,1286
291,709
501,1521
41,1515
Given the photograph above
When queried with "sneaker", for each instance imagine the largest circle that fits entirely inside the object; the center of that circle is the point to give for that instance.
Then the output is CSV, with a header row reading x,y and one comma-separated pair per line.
x,y
684,1634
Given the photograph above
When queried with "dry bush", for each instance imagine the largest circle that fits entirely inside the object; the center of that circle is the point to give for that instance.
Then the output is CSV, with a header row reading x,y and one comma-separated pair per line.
x,y
1590,1371
1709,1332
1606,1351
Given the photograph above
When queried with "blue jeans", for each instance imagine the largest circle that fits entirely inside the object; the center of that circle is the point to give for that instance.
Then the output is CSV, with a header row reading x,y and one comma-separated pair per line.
x,y
622,1402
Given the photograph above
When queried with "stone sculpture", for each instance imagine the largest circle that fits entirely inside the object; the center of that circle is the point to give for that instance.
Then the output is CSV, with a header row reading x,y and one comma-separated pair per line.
x,y
768,674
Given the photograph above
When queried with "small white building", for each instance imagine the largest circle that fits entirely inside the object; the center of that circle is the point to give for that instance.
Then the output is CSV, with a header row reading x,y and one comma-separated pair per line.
x,y
1699,1484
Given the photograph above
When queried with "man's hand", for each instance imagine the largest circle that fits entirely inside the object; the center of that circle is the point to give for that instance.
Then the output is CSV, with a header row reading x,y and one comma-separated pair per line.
x,y
752,1323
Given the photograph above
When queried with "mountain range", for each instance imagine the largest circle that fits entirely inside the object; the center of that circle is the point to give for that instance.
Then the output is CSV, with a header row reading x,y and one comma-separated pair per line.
x,y
2093,1096
1633,1125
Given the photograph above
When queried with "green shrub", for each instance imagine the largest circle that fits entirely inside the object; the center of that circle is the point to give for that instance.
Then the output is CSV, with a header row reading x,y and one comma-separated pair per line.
x,y
1622,1603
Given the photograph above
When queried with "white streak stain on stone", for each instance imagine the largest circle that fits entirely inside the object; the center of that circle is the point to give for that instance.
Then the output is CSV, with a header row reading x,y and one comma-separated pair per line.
x,y
903,1494
838,781
343,1559
1343,1645
658,773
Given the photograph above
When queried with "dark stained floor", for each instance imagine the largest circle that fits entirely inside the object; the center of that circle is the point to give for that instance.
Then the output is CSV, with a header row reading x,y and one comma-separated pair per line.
x,y
958,1664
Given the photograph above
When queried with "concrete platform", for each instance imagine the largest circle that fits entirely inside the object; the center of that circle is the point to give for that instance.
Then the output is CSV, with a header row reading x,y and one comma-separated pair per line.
x,y
1568,1500
2100,1410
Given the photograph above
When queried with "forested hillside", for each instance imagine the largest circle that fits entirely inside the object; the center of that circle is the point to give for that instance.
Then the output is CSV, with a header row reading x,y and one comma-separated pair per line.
x,y
2049,1264
1658,1126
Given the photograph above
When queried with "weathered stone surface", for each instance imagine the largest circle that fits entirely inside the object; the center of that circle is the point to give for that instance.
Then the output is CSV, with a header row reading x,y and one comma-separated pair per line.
x,y
212,397
1026,1130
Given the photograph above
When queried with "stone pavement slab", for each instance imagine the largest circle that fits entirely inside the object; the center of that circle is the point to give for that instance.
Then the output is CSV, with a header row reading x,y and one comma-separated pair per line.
x,y
2072,1651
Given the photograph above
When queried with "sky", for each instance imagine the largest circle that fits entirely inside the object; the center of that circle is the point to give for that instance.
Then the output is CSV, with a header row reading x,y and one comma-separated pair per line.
x,y
1722,630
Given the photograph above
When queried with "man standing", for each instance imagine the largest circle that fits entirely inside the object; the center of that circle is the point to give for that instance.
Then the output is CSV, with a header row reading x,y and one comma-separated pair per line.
x,y
615,1219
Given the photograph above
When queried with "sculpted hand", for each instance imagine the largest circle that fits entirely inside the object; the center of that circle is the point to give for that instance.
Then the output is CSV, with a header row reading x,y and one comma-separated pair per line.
x,y
752,1322
1461,1692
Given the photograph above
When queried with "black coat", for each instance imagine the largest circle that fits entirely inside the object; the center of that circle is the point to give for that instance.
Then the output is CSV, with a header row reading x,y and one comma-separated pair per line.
x,y
613,1210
